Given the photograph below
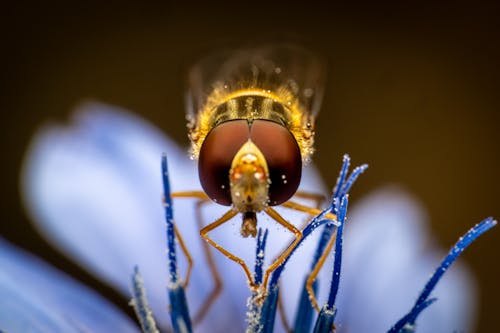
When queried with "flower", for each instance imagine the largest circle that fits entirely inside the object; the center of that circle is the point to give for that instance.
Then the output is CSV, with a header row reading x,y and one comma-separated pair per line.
x,y
35,297
93,189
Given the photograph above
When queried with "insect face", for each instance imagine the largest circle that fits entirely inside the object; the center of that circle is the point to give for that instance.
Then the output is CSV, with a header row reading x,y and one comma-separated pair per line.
x,y
250,165
249,179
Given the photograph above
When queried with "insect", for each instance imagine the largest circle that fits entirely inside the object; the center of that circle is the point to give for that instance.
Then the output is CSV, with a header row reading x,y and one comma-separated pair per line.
x,y
251,124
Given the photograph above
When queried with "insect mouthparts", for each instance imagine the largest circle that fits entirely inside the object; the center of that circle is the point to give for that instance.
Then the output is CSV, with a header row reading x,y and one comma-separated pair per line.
x,y
249,224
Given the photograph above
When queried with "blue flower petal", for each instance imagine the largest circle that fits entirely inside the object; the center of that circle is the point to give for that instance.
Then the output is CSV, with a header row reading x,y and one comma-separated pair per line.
x,y
94,189
34,297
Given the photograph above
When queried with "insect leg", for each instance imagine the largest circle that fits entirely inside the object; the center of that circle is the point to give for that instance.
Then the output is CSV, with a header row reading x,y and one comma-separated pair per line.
x,y
298,236
306,209
186,253
315,197
217,288
317,200
183,248
317,268
190,194
214,293
282,313
204,233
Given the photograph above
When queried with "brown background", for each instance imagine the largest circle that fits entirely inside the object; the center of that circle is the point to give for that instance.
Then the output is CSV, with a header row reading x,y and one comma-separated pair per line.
x,y
412,89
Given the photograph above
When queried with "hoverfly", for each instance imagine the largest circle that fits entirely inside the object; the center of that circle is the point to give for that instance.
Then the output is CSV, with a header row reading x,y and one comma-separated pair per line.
x,y
251,124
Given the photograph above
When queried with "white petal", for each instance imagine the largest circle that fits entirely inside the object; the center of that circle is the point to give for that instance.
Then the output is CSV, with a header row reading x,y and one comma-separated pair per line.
x,y
36,298
388,258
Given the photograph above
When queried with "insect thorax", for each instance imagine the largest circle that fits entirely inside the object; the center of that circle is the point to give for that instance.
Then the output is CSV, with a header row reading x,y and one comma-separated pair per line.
x,y
252,104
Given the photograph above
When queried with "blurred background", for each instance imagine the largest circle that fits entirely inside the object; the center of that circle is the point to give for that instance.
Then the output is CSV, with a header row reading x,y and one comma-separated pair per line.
x,y
412,89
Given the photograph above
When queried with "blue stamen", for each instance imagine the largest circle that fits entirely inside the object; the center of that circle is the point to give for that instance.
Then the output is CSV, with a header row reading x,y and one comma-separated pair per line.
x,y
422,302
352,179
256,317
325,320
316,222
338,252
259,255
408,318
179,312
323,241
303,318
342,188
305,310
169,217
268,312
140,304
343,174
324,323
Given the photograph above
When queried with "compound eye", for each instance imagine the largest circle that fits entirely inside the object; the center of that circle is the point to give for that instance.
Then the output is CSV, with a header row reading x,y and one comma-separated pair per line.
x,y
283,158
216,155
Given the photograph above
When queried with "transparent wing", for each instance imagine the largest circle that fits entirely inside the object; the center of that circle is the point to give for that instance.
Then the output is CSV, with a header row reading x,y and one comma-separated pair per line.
x,y
271,67
388,257
35,297
280,83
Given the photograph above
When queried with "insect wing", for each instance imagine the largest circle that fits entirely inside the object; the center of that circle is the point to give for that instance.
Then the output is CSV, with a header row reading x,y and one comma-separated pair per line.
x,y
278,83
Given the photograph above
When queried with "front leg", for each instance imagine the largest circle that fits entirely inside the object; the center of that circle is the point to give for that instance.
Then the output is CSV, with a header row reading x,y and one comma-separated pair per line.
x,y
281,258
204,233
217,280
